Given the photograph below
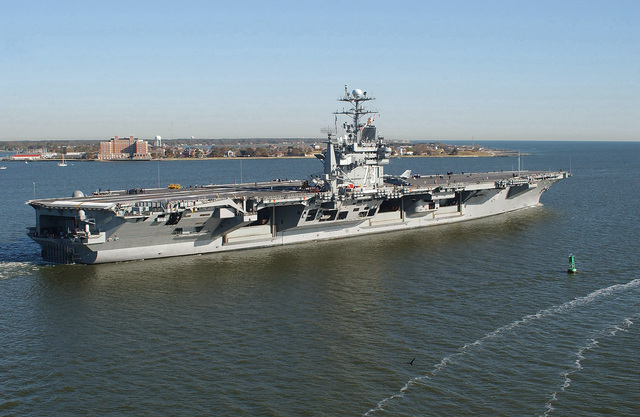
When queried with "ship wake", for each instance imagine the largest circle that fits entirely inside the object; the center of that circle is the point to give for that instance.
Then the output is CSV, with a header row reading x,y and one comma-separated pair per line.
x,y
551,311
14,269
592,343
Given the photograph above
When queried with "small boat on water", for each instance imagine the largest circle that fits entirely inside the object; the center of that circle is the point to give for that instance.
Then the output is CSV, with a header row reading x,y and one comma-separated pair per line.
x,y
62,164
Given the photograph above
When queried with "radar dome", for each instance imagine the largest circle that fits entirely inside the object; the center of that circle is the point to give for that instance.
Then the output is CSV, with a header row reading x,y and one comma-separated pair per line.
x,y
77,194
357,93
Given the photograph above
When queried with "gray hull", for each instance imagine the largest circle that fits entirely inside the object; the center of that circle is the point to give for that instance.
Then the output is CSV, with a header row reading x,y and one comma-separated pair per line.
x,y
285,217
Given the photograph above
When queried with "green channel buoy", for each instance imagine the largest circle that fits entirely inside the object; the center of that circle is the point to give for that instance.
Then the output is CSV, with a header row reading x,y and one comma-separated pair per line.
x,y
572,265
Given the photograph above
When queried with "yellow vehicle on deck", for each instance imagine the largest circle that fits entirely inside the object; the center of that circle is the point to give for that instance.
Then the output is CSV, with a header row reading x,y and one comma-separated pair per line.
x,y
174,186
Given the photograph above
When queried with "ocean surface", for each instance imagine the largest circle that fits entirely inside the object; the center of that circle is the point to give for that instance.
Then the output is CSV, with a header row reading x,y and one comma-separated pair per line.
x,y
485,309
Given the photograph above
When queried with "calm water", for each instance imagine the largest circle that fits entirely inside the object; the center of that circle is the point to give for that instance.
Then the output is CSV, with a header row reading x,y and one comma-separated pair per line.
x,y
494,323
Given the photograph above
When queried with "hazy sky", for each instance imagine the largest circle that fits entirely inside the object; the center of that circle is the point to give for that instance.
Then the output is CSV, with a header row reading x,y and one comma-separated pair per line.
x,y
441,70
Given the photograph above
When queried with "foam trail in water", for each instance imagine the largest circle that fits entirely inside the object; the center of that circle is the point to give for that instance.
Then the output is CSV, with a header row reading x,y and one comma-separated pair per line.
x,y
12,269
592,344
569,305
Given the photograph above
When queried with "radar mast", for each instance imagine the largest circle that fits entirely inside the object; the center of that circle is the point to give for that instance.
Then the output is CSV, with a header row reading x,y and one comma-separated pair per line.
x,y
356,98
355,159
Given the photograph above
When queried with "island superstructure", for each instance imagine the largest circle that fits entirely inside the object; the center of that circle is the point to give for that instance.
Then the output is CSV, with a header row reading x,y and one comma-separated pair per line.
x,y
351,197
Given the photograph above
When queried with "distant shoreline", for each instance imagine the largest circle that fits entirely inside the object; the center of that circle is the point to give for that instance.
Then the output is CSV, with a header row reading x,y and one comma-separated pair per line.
x,y
261,149
241,158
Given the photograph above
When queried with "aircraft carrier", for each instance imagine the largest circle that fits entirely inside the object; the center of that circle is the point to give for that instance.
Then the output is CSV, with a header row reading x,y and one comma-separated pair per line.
x,y
351,197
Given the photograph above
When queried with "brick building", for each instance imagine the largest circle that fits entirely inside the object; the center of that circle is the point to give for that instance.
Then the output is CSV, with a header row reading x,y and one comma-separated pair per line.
x,y
131,148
